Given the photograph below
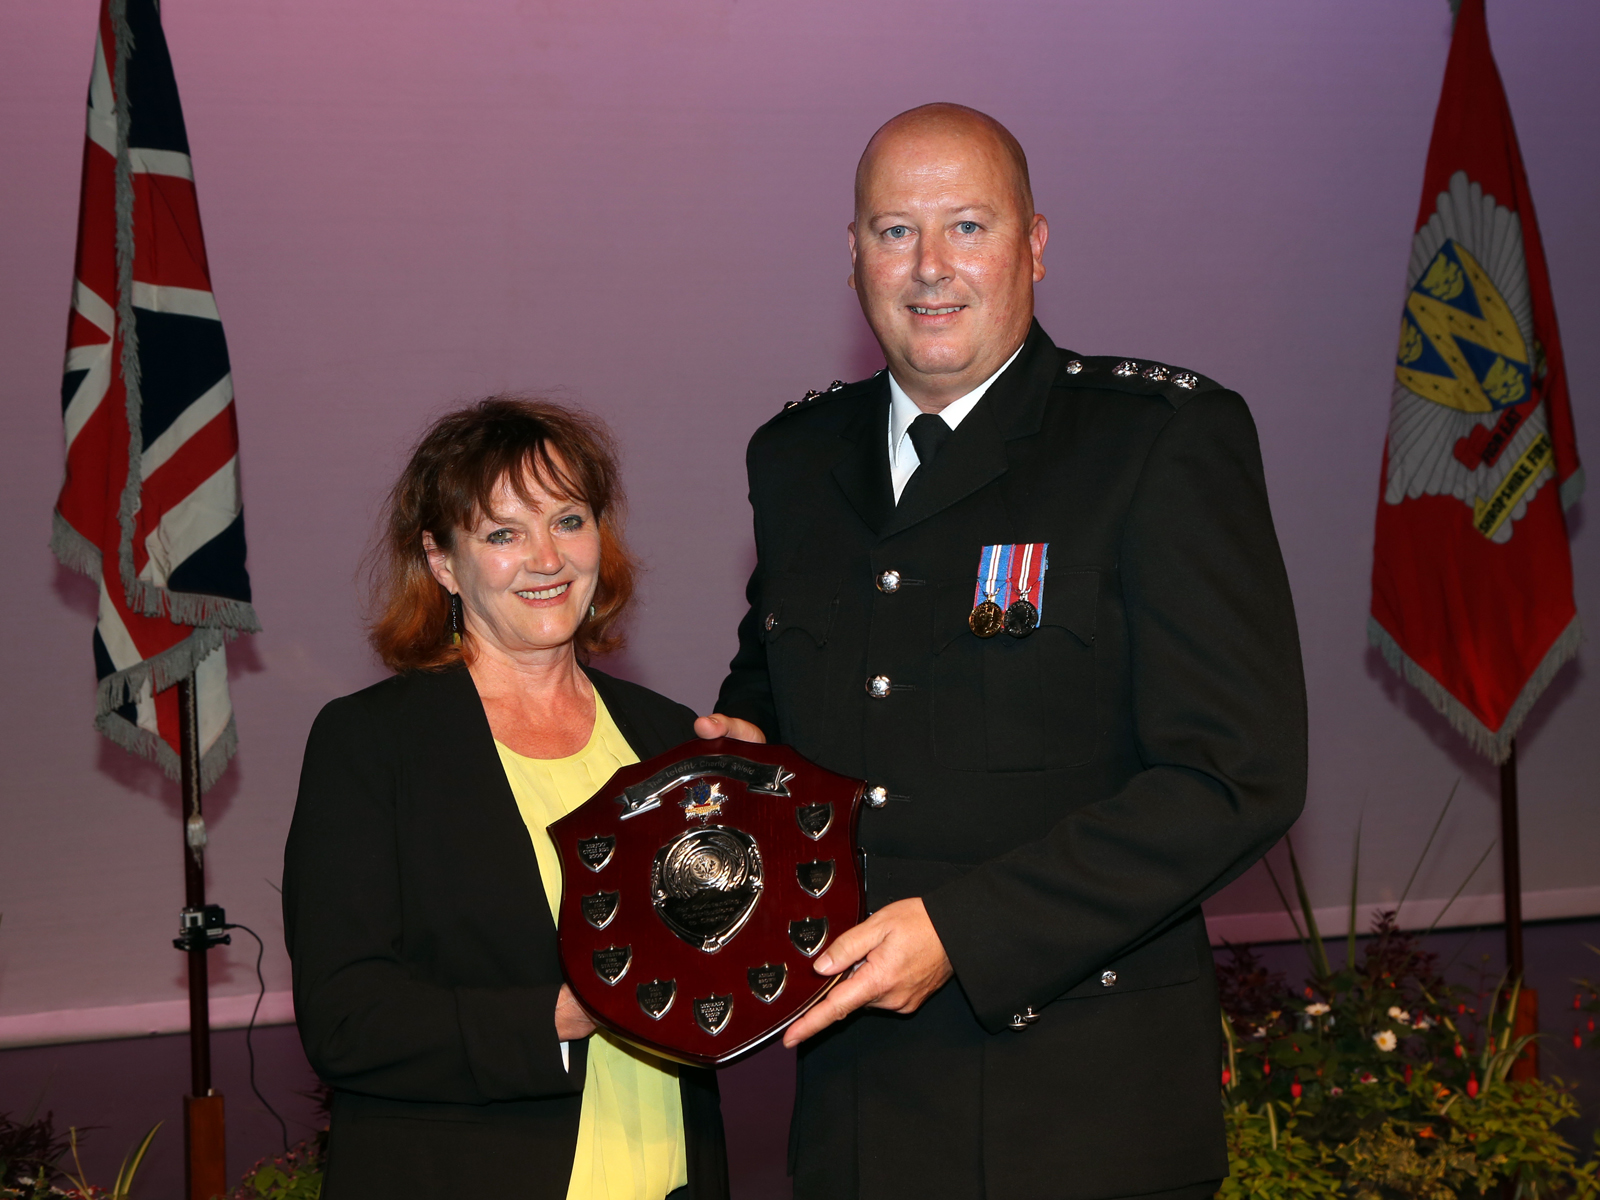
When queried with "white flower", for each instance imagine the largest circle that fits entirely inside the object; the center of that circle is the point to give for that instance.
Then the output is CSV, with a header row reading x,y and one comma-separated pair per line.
x,y
1261,1031
1423,1023
1385,1040
1316,1010
1396,1013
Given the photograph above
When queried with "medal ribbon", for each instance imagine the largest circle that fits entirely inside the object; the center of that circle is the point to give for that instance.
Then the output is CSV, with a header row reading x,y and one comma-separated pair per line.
x,y
1007,573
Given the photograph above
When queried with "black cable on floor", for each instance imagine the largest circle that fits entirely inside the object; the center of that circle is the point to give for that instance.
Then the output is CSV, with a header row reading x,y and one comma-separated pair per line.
x,y
250,1029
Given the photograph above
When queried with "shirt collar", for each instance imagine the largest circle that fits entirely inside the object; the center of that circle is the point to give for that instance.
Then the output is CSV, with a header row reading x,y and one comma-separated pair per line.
x,y
903,409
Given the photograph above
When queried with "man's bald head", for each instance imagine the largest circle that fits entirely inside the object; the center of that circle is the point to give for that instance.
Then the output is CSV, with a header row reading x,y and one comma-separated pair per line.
x,y
945,248
953,121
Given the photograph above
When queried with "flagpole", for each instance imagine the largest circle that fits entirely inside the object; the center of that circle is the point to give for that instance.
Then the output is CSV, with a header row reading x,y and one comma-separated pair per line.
x,y
1511,863
1525,1021
205,1145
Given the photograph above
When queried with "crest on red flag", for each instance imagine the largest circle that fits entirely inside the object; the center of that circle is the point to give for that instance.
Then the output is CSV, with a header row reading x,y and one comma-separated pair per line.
x,y
1472,576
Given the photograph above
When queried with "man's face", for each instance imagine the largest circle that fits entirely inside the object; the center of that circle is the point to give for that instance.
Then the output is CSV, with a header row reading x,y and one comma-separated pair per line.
x,y
945,258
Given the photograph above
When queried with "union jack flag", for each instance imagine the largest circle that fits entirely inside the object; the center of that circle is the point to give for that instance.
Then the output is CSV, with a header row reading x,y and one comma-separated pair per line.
x,y
150,508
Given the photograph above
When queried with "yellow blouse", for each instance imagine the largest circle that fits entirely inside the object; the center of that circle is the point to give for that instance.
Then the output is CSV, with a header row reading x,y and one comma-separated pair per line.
x,y
630,1133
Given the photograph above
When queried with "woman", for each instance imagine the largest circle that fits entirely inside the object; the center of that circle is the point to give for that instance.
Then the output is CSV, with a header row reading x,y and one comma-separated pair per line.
x,y
419,883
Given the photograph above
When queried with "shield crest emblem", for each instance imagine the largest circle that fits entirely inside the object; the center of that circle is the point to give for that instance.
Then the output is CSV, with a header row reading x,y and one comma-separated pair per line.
x,y
710,878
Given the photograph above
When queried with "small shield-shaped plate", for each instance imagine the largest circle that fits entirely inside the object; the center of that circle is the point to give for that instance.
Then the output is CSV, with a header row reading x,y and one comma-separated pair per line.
x,y
656,997
611,962
814,819
809,934
815,877
711,1013
767,980
599,908
596,852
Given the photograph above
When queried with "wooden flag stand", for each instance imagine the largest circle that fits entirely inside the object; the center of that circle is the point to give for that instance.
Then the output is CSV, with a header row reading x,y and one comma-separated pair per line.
x,y
1526,1020
201,927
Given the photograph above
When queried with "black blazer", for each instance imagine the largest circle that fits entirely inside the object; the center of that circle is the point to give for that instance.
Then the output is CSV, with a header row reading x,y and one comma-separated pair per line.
x,y
1062,802
425,960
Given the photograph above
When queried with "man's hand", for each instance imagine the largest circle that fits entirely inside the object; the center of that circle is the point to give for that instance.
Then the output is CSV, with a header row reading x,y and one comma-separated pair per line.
x,y
572,1019
899,962
719,726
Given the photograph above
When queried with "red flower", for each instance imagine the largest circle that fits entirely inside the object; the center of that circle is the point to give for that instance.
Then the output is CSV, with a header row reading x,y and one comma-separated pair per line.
x,y
1472,1084
1459,1050
1227,1077
1408,1072
1294,1088
1577,1039
1266,1067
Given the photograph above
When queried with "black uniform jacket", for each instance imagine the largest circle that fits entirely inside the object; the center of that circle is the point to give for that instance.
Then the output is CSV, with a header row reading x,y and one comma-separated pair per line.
x,y
1063,802
425,961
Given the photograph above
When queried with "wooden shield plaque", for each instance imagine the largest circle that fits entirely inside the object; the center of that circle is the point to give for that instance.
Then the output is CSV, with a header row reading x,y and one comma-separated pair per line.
x,y
697,889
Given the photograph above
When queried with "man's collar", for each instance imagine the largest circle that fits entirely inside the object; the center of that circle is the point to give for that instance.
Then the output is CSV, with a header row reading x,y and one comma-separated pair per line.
x,y
903,409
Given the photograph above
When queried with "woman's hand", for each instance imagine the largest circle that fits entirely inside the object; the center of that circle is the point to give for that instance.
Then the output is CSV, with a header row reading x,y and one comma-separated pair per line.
x,y
719,726
572,1019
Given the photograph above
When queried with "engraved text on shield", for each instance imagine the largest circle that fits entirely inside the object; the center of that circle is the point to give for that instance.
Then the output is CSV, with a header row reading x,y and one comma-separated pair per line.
x,y
711,1013
815,877
596,851
705,884
767,980
599,908
655,997
611,962
808,934
814,819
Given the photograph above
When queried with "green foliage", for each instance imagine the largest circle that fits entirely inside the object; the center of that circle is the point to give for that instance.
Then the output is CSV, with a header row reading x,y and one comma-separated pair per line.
x,y
1382,1080
296,1175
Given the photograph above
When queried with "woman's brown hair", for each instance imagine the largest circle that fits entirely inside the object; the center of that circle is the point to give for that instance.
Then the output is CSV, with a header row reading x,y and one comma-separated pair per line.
x,y
449,484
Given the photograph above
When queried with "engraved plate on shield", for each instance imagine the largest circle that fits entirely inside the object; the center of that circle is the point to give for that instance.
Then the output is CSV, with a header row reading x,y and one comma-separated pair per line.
x,y
599,908
596,852
815,877
767,980
808,934
705,884
814,819
611,962
655,997
711,1013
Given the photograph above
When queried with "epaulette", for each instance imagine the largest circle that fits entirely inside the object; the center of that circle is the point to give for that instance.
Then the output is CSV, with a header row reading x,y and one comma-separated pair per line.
x,y
838,385
1140,376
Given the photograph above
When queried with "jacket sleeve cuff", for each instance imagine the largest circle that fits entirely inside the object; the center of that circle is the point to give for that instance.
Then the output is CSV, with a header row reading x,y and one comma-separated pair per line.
x,y
509,1035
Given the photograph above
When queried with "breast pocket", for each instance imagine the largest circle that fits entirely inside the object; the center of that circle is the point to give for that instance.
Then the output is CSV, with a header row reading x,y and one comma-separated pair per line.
x,y
1017,704
799,618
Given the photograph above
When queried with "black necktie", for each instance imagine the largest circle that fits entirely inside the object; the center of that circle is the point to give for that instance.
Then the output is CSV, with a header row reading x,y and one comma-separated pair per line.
x,y
927,433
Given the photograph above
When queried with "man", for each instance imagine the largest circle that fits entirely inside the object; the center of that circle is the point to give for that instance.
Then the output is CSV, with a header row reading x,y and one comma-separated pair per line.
x,y
1035,600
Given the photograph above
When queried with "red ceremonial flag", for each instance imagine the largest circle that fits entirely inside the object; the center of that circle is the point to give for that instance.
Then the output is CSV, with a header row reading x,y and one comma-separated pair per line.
x,y
1472,576
150,507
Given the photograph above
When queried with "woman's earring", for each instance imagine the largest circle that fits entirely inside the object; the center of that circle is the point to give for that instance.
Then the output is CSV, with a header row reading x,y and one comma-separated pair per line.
x,y
591,612
455,619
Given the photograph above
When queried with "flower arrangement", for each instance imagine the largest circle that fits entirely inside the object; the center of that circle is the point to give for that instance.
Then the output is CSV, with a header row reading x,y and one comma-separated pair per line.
x,y
1383,1080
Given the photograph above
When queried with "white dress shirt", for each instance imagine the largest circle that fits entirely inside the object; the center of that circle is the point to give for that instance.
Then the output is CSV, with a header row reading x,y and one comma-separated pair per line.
x,y
903,410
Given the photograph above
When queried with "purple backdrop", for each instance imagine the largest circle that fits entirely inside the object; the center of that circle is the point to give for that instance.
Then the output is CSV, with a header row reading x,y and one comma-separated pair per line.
x,y
642,208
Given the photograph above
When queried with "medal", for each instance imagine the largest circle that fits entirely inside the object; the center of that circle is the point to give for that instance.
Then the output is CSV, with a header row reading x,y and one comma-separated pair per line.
x,y
1022,618
1010,590
987,618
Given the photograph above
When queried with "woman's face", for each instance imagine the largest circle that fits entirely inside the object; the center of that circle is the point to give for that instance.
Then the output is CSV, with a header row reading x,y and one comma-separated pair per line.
x,y
526,574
